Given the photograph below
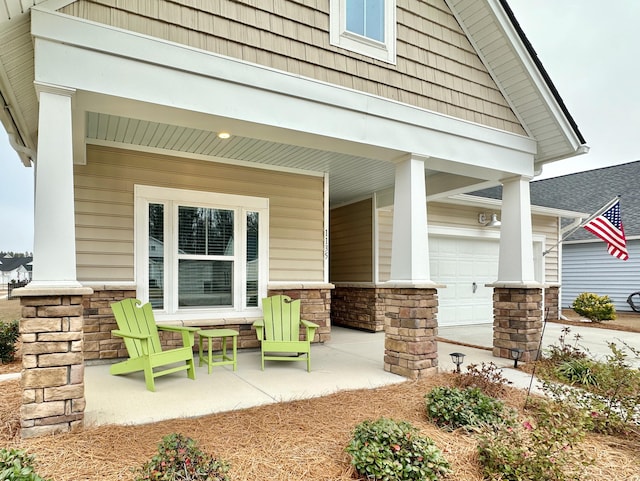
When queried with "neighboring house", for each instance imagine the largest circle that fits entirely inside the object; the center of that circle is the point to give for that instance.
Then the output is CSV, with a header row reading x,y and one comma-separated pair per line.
x,y
285,146
586,264
15,269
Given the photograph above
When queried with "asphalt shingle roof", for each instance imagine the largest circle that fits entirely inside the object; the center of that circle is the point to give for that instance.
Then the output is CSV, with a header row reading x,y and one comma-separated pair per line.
x,y
7,264
587,192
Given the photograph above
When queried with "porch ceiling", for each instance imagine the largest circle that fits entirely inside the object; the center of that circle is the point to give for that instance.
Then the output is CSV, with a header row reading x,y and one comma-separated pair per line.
x,y
351,176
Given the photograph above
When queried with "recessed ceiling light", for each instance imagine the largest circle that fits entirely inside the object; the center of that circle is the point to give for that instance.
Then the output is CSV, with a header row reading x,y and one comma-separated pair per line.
x,y
224,135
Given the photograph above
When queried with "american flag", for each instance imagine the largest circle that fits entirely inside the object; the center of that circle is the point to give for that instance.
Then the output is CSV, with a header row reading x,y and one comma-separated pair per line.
x,y
608,226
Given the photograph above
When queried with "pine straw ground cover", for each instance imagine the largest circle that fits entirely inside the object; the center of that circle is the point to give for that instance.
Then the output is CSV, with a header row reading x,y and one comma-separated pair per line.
x,y
300,440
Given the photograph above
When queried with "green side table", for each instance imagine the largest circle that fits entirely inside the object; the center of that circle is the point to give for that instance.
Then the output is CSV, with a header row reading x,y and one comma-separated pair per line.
x,y
223,358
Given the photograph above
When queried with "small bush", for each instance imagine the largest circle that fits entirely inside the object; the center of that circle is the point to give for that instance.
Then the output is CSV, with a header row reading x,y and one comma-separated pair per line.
x,y
16,465
452,408
9,333
179,459
594,307
394,451
545,448
487,377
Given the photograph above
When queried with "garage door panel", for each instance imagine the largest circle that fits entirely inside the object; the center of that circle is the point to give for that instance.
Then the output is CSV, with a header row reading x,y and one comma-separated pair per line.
x,y
459,263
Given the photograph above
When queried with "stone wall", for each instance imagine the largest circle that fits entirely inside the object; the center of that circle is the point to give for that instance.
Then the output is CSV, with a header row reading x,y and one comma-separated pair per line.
x,y
357,307
99,344
552,303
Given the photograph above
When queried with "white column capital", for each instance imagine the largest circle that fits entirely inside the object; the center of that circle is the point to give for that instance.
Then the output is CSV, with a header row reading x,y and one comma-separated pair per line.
x,y
43,87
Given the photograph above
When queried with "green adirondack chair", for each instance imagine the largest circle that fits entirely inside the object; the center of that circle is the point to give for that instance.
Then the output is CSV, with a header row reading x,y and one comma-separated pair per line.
x,y
138,328
279,331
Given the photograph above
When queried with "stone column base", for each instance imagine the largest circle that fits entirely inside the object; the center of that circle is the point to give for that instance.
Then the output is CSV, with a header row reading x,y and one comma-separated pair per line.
x,y
411,328
53,367
517,322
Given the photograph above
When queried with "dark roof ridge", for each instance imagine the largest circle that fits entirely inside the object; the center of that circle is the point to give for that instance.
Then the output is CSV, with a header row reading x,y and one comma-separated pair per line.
x,y
543,71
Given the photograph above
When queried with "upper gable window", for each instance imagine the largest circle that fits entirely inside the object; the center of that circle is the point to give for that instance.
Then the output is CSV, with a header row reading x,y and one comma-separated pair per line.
x,y
365,26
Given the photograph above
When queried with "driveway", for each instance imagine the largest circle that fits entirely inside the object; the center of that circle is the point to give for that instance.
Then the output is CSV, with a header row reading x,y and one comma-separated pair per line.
x,y
593,339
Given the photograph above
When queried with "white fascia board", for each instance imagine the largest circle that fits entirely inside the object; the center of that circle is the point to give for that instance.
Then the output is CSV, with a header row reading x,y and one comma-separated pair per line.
x,y
126,64
474,200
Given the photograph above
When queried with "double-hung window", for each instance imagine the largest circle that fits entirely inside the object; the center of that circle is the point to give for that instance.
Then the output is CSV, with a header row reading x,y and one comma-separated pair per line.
x,y
198,253
365,26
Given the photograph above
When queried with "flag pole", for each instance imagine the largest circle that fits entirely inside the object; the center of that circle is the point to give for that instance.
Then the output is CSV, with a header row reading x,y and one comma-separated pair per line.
x,y
583,223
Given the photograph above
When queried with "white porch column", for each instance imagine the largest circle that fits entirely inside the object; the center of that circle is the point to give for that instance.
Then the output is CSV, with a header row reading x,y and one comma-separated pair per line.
x,y
54,249
410,244
516,241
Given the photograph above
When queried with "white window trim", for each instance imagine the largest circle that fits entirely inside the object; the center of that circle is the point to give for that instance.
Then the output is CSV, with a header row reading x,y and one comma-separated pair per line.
x,y
341,37
145,195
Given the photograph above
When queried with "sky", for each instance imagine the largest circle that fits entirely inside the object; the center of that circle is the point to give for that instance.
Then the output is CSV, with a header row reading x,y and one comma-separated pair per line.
x,y
588,47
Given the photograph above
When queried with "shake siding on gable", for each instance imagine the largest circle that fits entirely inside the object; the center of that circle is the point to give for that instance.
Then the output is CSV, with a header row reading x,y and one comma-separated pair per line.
x,y
436,69
104,197
351,243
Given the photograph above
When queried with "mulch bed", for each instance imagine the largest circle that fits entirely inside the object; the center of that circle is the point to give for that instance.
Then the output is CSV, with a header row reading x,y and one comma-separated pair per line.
x,y
300,440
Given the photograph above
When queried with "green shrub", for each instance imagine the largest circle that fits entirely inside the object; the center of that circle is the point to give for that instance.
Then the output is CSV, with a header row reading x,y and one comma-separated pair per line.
x,y
452,408
16,465
542,449
9,333
394,451
577,371
594,307
179,459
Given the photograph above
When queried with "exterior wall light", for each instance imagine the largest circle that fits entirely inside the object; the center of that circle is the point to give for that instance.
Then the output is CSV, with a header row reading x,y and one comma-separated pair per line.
x,y
457,358
486,222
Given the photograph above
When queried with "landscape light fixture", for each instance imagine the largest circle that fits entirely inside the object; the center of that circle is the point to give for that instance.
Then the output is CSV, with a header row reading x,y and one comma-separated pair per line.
x,y
457,358
486,222
516,354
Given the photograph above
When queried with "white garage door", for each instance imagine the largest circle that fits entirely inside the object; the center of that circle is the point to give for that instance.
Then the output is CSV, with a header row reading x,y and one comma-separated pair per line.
x,y
464,265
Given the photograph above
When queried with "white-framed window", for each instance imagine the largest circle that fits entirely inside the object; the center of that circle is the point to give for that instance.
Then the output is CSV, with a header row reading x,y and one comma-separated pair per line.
x,y
200,254
365,26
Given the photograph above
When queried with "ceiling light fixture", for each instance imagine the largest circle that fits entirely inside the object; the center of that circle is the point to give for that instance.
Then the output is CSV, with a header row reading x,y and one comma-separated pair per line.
x,y
494,222
224,135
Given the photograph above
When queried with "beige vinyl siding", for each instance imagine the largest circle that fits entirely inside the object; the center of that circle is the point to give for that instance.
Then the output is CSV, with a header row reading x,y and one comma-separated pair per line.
x,y
456,216
548,226
104,195
437,68
351,243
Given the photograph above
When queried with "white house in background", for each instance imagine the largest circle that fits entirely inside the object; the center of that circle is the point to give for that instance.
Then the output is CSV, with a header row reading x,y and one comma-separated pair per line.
x,y
15,269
